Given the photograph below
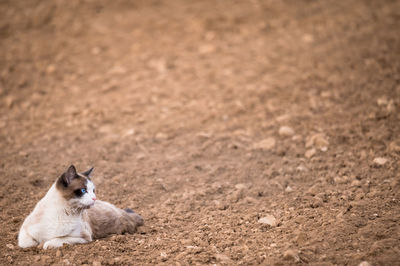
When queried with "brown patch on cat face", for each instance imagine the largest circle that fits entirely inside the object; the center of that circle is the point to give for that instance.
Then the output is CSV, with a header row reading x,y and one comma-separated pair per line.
x,y
69,182
69,192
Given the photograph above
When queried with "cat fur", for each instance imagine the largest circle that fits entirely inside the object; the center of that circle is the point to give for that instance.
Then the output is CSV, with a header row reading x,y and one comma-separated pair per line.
x,y
63,217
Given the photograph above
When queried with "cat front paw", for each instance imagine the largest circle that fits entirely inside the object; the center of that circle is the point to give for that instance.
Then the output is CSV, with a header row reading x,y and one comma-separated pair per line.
x,y
52,243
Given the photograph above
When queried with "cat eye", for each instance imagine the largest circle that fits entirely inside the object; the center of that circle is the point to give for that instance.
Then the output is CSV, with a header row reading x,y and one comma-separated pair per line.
x,y
80,192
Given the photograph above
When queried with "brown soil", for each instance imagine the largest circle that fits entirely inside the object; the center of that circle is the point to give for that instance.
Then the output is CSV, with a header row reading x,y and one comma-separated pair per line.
x,y
179,105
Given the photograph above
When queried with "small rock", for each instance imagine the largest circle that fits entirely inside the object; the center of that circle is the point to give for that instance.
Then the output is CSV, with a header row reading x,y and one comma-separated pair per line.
x,y
310,153
220,205
318,141
313,190
10,246
341,179
222,258
186,242
380,161
291,255
58,253
391,108
301,238
129,132
240,186
268,220
236,195
356,183
382,101
286,131
50,69
250,200
266,144
206,48
161,136
394,146
95,50
163,256
300,220
96,263
45,259
9,101
301,168
308,38
117,70
288,189
36,258
364,263
316,202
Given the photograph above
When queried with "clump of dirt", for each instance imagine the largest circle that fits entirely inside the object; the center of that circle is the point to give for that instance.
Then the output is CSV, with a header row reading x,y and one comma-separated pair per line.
x,y
243,132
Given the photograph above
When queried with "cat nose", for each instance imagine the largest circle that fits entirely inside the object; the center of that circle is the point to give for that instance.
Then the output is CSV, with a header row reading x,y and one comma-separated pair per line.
x,y
94,199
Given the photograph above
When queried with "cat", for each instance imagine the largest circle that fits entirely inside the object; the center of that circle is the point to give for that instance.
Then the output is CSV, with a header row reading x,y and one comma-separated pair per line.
x,y
70,213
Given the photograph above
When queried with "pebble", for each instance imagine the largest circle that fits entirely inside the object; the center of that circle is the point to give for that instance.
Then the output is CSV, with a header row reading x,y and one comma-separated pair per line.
x,y
316,202
291,255
356,183
96,263
58,253
220,205
164,256
301,168
269,220
240,186
310,153
321,143
394,146
222,258
9,101
10,246
341,179
266,144
288,189
318,141
129,132
161,136
45,258
364,263
236,195
250,200
50,69
382,101
206,49
301,238
380,161
286,131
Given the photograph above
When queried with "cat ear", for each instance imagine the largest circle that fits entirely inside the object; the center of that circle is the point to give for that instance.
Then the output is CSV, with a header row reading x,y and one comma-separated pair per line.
x,y
69,175
88,173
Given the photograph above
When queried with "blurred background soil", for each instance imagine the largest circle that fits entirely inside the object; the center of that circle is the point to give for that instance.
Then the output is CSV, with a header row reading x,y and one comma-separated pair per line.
x,y
244,132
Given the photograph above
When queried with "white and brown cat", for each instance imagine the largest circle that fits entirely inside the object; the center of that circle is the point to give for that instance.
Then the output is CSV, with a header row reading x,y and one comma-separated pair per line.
x,y
69,213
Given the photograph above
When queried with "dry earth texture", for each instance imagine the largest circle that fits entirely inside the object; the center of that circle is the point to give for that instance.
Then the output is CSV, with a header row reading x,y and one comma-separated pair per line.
x,y
244,132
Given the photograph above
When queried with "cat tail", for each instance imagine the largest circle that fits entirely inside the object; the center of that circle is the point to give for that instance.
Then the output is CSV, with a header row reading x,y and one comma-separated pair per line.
x,y
105,219
139,220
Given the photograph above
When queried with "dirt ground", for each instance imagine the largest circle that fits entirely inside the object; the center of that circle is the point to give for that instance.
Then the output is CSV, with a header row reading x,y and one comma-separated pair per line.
x,y
244,132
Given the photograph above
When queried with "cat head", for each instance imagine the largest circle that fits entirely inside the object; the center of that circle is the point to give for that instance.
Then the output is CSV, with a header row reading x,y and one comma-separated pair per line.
x,y
77,188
